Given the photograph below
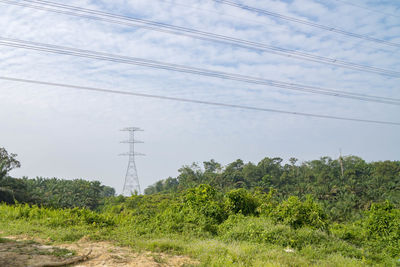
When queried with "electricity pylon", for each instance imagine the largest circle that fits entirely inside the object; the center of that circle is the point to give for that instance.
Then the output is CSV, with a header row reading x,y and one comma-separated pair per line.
x,y
131,184
341,162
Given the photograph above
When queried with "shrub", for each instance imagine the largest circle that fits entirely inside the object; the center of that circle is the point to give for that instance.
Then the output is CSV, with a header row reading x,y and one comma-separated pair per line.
x,y
297,213
205,201
351,232
241,201
382,227
265,231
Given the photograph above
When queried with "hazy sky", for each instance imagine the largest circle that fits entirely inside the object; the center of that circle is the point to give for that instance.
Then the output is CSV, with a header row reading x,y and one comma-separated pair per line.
x,y
65,133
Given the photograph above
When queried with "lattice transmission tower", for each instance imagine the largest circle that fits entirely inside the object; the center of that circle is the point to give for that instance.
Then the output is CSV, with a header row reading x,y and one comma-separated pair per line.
x,y
131,184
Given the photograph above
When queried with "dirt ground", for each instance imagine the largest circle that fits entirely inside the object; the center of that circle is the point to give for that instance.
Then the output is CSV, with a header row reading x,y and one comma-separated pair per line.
x,y
23,251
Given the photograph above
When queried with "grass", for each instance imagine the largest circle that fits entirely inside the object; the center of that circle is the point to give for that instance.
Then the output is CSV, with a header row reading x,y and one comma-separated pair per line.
x,y
240,241
209,252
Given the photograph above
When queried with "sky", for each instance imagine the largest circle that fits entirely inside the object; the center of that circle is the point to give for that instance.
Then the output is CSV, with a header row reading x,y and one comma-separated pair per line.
x,y
69,134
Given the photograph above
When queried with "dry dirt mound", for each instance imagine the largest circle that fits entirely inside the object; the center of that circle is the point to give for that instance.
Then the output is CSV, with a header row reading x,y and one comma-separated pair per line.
x,y
24,252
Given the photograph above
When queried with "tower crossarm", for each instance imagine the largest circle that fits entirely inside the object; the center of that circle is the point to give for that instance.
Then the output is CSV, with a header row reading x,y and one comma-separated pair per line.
x,y
132,154
132,129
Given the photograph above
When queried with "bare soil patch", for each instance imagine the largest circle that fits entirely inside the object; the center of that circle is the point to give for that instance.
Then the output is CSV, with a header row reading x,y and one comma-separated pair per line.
x,y
30,253
22,251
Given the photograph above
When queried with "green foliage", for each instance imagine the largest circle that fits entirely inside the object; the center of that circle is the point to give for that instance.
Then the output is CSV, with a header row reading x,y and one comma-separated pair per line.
x,y
12,190
7,162
241,201
199,210
67,193
378,232
382,227
205,200
54,192
383,221
351,231
56,218
266,231
265,214
169,222
268,202
298,213
344,197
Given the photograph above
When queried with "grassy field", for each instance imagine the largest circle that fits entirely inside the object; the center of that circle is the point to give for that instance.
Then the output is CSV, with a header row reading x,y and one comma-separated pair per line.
x,y
264,214
209,251
292,233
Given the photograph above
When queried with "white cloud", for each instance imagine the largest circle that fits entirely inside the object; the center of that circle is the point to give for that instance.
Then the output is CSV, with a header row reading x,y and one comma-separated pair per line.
x,y
69,134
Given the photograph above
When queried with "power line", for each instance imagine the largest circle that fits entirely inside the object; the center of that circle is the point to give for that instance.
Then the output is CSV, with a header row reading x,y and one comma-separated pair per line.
x,y
263,23
308,23
191,70
102,90
241,18
201,35
369,9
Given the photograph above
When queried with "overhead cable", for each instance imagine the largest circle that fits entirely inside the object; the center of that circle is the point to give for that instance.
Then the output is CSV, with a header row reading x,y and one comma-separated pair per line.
x,y
369,9
179,99
191,70
306,22
201,35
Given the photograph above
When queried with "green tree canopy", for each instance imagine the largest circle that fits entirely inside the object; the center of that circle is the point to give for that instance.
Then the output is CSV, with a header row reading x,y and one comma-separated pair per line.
x,y
7,162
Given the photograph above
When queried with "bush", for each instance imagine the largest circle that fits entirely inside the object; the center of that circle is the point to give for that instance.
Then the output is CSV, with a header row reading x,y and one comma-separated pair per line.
x,y
205,200
198,211
382,228
298,214
55,218
351,232
264,231
241,201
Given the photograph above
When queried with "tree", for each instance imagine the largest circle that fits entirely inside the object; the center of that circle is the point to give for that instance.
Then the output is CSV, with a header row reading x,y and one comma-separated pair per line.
x,y
212,166
7,162
190,176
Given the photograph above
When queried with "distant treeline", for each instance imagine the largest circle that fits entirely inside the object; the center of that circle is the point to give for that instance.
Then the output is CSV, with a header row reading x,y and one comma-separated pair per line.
x,y
342,185
55,193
